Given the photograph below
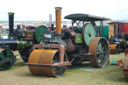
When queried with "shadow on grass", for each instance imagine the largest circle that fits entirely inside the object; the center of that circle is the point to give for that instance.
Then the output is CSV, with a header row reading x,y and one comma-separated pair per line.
x,y
83,65
29,74
73,67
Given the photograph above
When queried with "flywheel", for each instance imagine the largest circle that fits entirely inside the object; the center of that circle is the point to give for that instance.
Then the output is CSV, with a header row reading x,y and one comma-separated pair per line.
x,y
41,60
88,33
100,52
39,32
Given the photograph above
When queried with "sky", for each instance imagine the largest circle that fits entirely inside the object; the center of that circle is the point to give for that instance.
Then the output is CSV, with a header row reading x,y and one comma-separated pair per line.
x,y
39,10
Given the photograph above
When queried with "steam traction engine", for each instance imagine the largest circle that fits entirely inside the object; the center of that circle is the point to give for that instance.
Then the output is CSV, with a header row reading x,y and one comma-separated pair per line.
x,y
19,40
72,46
118,36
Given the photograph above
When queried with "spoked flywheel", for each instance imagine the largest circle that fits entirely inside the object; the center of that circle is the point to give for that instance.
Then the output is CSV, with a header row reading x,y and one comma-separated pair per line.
x,y
99,51
40,63
7,59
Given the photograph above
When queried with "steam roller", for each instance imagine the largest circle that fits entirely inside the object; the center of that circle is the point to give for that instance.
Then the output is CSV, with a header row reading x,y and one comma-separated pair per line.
x,y
21,40
58,50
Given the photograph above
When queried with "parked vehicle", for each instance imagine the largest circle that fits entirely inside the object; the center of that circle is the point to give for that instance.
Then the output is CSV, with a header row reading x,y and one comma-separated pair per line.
x,y
61,48
118,36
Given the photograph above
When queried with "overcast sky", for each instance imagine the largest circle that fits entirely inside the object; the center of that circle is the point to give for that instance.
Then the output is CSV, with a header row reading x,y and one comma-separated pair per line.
x,y
40,9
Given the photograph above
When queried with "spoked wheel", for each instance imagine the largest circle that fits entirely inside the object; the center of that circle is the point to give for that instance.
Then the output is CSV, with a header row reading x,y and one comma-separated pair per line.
x,y
58,70
125,64
7,59
25,54
40,62
100,52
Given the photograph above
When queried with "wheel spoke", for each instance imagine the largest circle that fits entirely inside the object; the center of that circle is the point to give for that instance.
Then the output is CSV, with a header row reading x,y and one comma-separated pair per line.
x,y
99,46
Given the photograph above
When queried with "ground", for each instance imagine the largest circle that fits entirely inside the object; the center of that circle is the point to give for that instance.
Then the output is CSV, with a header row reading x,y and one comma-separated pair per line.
x,y
111,75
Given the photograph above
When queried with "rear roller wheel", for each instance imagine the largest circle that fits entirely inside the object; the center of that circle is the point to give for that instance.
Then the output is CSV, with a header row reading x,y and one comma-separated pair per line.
x,y
40,62
7,59
100,52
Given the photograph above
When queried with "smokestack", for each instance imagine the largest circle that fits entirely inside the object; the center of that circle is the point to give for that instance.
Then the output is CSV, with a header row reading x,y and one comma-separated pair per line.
x,y
11,23
58,20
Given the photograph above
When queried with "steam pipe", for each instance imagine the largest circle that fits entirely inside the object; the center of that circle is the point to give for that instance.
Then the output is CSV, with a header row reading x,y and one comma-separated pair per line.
x,y
58,20
11,23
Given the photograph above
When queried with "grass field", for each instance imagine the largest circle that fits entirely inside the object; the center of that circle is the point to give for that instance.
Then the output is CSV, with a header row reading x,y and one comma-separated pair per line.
x,y
111,75
4,34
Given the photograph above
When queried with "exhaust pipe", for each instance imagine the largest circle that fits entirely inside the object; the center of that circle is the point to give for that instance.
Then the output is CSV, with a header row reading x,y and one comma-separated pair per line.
x,y
58,20
11,24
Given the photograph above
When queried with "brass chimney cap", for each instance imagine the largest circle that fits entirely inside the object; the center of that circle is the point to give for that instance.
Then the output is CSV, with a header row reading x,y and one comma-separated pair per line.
x,y
10,13
58,8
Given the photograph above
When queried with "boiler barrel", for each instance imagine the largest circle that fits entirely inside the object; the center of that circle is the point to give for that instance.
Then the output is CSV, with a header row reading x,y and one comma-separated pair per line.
x,y
16,44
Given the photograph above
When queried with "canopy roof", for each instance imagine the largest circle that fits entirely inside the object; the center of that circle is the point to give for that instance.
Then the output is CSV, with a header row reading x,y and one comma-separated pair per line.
x,y
85,17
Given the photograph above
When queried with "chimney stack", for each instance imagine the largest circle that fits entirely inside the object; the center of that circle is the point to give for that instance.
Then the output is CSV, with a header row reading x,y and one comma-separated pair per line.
x,y
11,23
58,20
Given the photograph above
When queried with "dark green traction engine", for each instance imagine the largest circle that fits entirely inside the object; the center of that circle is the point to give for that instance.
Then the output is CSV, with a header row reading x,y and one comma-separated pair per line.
x,y
18,40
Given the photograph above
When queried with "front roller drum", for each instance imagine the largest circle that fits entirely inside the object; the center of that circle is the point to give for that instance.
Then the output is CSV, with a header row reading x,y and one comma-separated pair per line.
x,y
41,60
100,52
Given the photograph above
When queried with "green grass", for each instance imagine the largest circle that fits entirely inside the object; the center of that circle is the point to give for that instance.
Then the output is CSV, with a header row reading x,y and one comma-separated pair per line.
x,y
4,34
111,75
